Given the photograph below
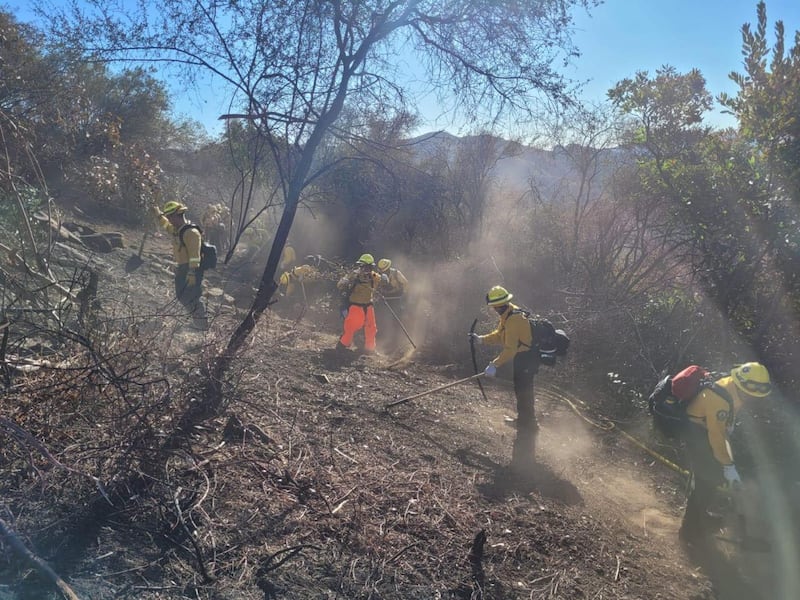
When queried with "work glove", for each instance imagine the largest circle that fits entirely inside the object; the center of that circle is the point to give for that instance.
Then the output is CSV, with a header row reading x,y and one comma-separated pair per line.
x,y
731,475
191,278
343,312
490,370
475,339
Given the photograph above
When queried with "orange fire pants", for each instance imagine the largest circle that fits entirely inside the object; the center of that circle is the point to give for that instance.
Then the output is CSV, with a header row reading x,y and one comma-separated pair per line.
x,y
358,317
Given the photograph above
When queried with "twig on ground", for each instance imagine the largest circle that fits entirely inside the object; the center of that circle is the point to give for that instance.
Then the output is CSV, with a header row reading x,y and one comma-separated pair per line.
x,y
40,565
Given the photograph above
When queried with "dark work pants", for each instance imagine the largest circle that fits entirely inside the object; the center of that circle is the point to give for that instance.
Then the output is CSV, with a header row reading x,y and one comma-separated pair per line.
x,y
706,477
190,296
526,365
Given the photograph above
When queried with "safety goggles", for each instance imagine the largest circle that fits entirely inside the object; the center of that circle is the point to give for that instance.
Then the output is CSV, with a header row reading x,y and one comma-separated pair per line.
x,y
755,387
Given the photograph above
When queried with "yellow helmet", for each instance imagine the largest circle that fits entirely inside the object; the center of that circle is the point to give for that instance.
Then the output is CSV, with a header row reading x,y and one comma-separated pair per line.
x,y
498,296
366,259
384,264
752,378
173,207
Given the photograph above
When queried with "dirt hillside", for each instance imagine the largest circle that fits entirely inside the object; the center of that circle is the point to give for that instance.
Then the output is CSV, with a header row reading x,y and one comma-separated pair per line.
x,y
307,487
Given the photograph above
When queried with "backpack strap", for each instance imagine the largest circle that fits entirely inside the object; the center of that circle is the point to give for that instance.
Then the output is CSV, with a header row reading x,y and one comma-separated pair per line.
x,y
185,227
723,393
527,315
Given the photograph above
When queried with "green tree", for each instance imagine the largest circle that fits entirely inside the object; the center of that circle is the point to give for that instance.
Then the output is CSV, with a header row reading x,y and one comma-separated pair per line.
x,y
710,186
767,104
85,134
669,109
23,90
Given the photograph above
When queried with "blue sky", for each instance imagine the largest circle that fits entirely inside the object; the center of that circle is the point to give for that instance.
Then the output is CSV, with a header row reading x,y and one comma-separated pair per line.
x,y
619,38
624,36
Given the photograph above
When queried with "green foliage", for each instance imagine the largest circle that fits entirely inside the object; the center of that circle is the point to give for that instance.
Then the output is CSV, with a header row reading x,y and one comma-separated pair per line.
x,y
767,103
86,134
31,200
719,191
669,107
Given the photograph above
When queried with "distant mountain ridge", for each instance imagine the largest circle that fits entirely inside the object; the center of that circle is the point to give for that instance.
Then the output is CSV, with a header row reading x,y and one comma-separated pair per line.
x,y
552,170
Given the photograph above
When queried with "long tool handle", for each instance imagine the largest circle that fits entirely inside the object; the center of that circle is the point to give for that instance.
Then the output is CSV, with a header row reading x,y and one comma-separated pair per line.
x,y
141,244
399,322
441,387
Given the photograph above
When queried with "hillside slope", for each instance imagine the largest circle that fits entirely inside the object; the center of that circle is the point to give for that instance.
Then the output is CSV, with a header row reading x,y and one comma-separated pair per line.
x,y
307,487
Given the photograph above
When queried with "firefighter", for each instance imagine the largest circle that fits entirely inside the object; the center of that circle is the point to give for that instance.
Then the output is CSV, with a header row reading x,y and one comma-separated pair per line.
x,y
215,223
711,422
358,288
288,256
395,283
392,291
297,274
514,334
186,240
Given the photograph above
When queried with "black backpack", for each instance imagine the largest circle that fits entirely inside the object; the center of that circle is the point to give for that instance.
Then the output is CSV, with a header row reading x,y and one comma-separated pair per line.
x,y
548,341
208,252
669,411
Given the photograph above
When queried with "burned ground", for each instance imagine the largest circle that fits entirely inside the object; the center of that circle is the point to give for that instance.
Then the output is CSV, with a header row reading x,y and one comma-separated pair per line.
x,y
306,486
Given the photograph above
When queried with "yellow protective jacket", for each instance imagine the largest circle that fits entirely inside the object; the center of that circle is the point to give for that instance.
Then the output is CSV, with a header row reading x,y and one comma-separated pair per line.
x,y
513,333
397,283
189,250
359,286
288,257
298,273
712,412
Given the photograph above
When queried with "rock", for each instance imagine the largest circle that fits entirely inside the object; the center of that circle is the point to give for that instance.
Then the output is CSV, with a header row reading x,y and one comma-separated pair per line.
x,y
96,242
103,242
69,256
116,238
78,228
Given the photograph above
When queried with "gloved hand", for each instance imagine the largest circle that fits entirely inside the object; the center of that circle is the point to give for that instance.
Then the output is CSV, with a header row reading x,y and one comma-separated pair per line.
x,y
490,370
343,312
475,338
731,475
384,279
191,278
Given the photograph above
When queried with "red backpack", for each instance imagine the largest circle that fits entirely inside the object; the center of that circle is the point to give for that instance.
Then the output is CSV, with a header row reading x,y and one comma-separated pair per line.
x,y
688,383
672,395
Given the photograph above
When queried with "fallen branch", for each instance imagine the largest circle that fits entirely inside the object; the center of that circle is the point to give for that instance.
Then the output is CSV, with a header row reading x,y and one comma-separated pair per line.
x,y
266,567
40,565
207,577
24,437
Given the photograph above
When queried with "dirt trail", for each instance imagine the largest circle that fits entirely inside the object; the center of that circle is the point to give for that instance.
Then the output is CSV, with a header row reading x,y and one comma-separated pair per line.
x,y
619,484
613,481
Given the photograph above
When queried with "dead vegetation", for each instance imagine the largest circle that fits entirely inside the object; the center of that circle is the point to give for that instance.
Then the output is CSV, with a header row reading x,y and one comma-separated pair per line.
x,y
304,486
